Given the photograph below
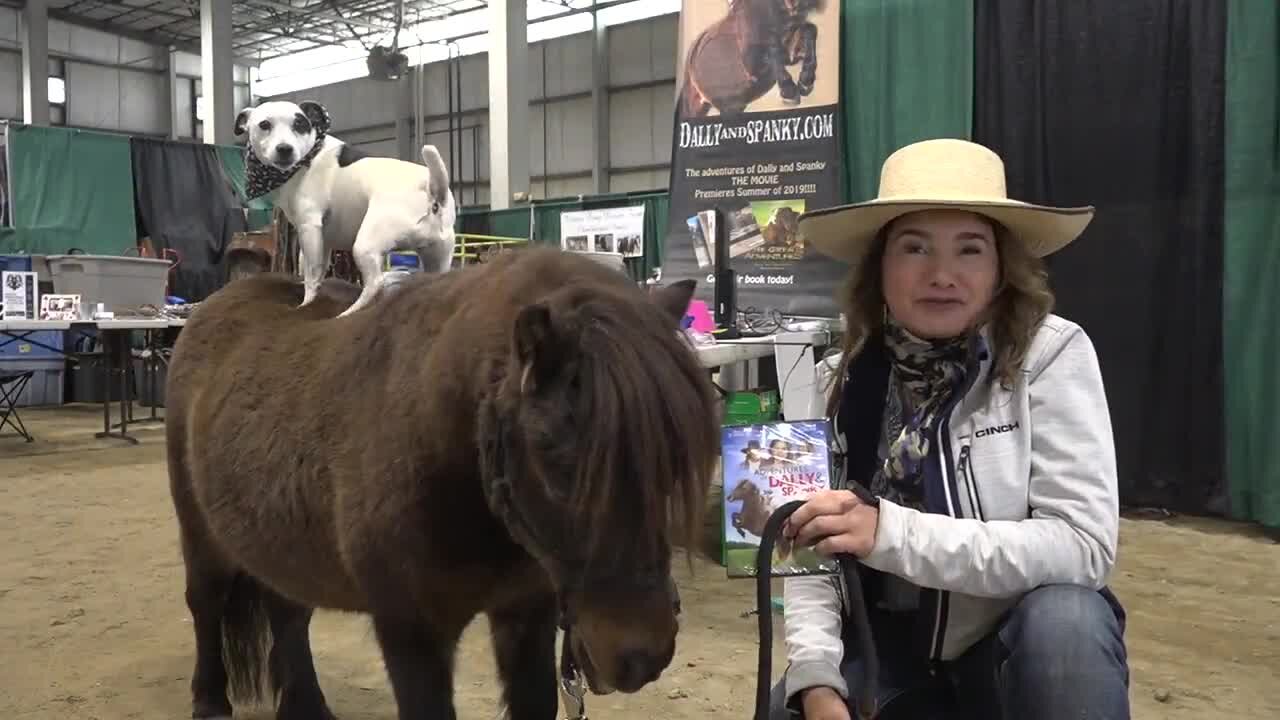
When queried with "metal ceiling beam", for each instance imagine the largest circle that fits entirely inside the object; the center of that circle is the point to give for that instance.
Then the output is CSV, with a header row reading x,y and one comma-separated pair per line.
x,y
322,15
162,40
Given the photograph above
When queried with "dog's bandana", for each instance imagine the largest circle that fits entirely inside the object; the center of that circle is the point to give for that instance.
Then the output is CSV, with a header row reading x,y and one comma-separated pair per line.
x,y
262,178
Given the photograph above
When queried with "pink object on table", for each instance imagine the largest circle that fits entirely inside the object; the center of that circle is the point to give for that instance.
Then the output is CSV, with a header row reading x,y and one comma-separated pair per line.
x,y
702,320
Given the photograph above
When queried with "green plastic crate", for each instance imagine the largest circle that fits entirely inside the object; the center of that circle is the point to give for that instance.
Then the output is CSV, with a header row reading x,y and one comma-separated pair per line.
x,y
751,406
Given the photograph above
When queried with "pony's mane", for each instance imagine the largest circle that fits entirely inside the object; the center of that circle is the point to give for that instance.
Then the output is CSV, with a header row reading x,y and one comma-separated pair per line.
x,y
653,401
648,409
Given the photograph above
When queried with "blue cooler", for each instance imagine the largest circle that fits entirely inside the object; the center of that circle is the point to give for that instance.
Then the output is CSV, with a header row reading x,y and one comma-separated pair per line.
x,y
15,263
403,261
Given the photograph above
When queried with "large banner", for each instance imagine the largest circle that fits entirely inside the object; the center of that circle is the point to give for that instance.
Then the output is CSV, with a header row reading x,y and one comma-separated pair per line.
x,y
756,137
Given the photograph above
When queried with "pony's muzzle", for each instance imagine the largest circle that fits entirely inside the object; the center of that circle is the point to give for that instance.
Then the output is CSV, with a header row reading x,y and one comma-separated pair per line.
x,y
637,668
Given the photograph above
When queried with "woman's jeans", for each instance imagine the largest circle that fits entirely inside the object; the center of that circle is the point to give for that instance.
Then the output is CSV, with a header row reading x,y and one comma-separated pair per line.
x,y
1058,655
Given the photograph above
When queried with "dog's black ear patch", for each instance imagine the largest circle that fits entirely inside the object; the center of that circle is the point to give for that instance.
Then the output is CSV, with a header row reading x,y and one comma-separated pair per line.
x,y
348,155
242,119
301,125
316,113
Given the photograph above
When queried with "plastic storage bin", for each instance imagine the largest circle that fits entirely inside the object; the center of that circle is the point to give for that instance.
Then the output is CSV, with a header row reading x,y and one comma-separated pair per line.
x,y
46,384
114,280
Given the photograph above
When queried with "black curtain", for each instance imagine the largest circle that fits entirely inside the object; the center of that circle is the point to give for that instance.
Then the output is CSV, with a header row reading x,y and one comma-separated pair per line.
x,y
185,202
1120,105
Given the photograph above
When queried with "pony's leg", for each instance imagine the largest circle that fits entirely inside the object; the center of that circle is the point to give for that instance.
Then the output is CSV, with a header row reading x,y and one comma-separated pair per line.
x,y
207,593
419,661
293,670
803,43
777,62
524,645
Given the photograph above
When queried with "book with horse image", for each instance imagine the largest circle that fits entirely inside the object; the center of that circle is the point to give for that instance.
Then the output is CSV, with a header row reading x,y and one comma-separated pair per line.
x,y
764,466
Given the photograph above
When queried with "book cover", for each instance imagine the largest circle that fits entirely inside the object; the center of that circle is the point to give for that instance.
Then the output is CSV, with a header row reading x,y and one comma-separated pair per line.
x,y
765,466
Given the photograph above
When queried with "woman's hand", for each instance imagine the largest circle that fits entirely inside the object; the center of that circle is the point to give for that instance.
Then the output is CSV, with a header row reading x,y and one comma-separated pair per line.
x,y
834,521
823,703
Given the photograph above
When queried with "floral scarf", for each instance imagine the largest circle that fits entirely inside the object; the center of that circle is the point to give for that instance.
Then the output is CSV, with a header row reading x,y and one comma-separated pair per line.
x,y
924,375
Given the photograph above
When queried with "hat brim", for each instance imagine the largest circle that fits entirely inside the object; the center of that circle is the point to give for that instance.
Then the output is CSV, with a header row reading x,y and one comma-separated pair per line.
x,y
846,232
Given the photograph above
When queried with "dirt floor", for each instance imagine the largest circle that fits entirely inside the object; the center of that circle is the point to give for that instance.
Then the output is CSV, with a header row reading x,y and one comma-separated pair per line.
x,y
93,623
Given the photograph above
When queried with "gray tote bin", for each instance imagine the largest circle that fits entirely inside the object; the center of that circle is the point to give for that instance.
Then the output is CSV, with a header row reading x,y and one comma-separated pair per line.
x,y
114,280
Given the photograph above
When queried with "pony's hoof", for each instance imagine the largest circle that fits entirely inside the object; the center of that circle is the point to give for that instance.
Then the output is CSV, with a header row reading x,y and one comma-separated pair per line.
x,y
805,88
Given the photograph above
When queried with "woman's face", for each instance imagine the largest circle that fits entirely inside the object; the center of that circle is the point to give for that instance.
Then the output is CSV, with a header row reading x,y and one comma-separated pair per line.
x,y
940,271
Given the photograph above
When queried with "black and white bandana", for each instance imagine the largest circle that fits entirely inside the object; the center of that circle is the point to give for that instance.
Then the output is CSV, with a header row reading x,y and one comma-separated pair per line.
x,y
262,178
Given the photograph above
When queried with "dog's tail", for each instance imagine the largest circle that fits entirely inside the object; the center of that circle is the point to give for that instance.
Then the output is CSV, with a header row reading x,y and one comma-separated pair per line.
x,y
438,184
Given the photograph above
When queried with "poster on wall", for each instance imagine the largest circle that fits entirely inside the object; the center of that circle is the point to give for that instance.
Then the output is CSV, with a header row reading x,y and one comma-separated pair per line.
x,y
617,231
757,138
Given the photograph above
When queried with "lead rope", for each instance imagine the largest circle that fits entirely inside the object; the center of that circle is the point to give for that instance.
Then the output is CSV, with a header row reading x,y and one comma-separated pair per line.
x,y
865,707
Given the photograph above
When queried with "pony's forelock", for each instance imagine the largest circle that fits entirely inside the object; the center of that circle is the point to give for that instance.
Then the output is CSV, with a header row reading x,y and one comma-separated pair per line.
x,y
662,444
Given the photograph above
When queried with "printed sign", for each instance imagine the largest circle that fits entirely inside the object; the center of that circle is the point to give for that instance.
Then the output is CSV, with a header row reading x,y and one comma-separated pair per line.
x,y
607,230
21,295
756,138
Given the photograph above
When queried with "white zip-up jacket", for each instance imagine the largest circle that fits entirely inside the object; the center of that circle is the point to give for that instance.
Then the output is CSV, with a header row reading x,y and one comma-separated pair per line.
x,y
1031,498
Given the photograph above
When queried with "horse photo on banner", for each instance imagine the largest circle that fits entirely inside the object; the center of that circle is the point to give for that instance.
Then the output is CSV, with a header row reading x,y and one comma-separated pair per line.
x,y
756,137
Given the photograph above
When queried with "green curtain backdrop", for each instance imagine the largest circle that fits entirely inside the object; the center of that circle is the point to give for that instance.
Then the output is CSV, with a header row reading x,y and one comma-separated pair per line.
x,y
232,160
907,75
69,189
1251,259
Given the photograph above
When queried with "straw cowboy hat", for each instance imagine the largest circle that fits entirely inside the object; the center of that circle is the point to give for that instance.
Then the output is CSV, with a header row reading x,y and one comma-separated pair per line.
x,y
933,174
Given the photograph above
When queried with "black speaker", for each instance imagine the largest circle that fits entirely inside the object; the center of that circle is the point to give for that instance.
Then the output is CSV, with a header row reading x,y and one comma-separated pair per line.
x,y
726,311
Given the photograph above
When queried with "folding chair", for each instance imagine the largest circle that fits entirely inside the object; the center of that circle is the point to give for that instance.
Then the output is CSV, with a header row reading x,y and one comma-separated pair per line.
x,y
11,387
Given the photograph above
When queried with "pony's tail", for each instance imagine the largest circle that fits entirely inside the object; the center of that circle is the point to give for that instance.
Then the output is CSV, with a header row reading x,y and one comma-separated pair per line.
x,y
246,641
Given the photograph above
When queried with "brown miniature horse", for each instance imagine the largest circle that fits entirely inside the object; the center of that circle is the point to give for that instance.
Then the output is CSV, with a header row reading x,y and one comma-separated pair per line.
x,y
526,438
741,56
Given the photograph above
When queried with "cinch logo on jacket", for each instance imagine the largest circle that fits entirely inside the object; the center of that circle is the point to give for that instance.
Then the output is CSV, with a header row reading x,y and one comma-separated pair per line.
x,y
997,430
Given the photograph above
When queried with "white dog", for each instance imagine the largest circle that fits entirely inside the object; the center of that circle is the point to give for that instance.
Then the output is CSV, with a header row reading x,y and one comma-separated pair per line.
x,y
340,198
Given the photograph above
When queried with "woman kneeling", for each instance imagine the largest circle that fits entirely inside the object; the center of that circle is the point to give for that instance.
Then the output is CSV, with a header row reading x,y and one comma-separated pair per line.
x,y
978,419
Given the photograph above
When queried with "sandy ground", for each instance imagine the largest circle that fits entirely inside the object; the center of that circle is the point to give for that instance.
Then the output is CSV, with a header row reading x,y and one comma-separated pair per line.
x,y
93,623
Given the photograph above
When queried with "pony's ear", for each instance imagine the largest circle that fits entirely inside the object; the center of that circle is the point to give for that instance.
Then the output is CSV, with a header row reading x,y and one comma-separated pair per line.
x,y
674,299
535,343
